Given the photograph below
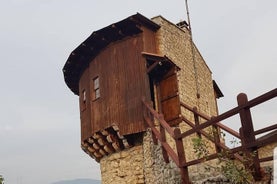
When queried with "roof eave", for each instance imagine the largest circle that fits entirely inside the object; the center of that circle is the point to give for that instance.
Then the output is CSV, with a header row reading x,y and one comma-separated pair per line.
x,y
80,57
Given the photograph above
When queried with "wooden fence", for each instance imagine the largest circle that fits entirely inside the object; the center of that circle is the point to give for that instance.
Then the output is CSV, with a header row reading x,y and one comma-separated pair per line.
x,y
247,134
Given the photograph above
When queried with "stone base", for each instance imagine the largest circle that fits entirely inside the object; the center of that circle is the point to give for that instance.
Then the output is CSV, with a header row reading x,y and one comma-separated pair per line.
x,y
142,163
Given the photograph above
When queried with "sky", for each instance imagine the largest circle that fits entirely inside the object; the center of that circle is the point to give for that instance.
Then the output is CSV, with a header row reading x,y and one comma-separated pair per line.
x,y
39,115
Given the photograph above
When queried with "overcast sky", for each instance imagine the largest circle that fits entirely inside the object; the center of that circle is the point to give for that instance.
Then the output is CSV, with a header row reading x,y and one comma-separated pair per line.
x,y
39,122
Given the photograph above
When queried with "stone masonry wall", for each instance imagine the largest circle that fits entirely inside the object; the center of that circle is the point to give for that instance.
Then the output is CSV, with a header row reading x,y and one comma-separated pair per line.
x,y
155,169
144,163
267,151
175,43
124,167
139,164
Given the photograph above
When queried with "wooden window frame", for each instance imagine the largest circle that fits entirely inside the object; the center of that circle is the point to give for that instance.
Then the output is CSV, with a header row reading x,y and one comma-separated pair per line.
x,y
96,88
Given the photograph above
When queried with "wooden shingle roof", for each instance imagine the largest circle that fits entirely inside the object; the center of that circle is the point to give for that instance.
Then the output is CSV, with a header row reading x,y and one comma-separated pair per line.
x,y
80,58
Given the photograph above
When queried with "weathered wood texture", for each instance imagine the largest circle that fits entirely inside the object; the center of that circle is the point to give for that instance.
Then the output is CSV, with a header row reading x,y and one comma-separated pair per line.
x,y
85,111
249,143
123,80
169,98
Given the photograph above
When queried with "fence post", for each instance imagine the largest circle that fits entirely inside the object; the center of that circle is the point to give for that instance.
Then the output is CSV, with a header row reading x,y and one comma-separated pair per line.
x,y
216,136
151,116
196,119
146,113
181,157
247,137
163,139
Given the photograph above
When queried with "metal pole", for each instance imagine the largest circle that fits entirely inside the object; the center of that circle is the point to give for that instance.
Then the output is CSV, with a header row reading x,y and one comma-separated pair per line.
x,y
192,52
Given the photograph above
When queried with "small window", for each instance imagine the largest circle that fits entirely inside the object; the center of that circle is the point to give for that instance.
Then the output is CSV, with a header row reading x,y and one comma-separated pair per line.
x,y
96,88
83,100
84,96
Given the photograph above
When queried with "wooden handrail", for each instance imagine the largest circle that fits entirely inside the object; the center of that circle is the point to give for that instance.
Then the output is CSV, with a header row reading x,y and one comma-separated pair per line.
x,y
209,137
260,99
219,124
229,130
169,150
267,129
179,157
160,118
246,135
267,96
233,151
195,111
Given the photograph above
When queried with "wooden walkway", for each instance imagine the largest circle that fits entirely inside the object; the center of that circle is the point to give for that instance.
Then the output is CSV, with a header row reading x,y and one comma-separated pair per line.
x,y
246,135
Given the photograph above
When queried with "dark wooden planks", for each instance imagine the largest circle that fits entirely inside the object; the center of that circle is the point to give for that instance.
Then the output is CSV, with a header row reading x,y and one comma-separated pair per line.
x,y
85,110
123,80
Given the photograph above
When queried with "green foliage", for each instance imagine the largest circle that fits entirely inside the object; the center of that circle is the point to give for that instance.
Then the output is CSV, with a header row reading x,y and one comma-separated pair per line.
x,y
232,170
235,172
1,179
200,147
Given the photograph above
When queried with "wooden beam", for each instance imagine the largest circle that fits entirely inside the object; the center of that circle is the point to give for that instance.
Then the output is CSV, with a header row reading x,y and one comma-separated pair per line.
x,y
181,156
247,137
267,96
163,139
267,129
150,68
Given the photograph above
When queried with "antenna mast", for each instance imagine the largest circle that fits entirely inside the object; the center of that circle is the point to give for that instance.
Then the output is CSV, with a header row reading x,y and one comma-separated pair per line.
x,y
192,51
187,10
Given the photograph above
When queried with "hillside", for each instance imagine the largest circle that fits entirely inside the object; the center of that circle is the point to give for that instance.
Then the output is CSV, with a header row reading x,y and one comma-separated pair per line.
x,y
78,181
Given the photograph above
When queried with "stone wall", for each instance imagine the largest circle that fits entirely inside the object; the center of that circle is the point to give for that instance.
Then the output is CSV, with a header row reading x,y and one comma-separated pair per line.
x,y
267,151
139,164
155,169
175,43
144,163
124,167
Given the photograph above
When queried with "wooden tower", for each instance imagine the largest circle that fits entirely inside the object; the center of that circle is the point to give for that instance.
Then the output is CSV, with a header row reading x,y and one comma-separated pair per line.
x,y
117,68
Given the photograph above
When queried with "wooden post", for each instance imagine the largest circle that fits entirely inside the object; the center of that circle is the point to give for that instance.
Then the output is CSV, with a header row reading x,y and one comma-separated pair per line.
x,y
181,157
155,141
147,114
216,134
248,137
196,119
163,139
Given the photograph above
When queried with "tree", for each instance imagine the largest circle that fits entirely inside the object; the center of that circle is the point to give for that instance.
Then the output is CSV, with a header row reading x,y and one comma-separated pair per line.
x,y
1,179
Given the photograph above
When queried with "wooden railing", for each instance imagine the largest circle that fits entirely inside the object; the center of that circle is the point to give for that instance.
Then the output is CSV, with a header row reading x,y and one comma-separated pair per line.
x,y
179,158
247,134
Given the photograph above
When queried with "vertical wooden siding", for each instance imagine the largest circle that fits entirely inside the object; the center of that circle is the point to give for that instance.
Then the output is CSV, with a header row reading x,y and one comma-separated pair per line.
x,y
149,41
169,97
123,81
85,107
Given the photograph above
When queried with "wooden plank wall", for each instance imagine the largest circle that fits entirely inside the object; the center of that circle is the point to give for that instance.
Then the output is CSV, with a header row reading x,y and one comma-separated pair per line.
x,y
123,81
169,96
85,110
149,41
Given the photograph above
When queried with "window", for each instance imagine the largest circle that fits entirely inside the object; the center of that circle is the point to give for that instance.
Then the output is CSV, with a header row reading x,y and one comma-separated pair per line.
x,y
96,88
84,96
